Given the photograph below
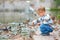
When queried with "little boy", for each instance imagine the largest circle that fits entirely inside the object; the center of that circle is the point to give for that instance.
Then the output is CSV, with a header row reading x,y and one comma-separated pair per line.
x,y
45,21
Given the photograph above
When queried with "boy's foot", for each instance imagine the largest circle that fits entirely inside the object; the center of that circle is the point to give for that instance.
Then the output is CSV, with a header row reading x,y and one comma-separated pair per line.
x,y
45,34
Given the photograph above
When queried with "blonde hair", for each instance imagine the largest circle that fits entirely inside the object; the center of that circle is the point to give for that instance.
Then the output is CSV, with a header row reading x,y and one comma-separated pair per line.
x,y
41,8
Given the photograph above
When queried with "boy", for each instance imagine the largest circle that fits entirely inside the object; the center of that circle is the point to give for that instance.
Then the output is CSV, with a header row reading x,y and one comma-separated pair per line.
x,y
45,22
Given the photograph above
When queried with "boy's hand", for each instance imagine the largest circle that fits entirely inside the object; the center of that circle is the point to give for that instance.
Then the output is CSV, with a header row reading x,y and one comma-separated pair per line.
x,y
56,29
38,24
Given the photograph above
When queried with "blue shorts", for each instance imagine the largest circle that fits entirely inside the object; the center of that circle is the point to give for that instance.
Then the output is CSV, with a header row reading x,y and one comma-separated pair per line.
x,y
45,28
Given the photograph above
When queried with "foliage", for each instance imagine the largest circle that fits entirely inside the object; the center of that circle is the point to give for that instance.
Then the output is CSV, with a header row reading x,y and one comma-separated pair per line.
x,y
58,16
55,9
57,2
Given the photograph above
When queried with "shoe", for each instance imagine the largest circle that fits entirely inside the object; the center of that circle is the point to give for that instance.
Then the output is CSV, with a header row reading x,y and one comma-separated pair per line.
x,y
45,34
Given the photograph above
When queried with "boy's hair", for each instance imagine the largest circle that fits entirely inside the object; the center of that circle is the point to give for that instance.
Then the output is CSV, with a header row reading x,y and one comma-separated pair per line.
x,y
41,8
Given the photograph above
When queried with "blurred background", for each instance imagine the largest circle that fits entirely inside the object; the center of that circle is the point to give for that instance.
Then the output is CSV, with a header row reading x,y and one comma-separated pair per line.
x,y
16,17
17,10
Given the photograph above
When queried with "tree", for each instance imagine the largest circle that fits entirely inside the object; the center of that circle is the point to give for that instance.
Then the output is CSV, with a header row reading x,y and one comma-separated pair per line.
x,y
56,9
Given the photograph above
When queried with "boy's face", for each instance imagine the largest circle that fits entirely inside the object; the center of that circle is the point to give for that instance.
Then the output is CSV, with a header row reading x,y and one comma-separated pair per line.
x,y
41,12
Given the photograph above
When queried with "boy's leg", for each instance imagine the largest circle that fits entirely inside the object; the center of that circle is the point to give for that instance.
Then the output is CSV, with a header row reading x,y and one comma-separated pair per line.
x,y
43,30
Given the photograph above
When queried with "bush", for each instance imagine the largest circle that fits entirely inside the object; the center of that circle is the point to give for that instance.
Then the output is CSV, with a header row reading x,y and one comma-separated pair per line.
x,y
58,16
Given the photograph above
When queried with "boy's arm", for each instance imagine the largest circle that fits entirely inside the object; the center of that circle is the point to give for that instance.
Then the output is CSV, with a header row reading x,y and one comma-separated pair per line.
x,y
50,21
34,22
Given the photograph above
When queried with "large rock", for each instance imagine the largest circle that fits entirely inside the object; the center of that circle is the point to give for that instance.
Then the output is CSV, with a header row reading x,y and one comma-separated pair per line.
x,y
36,37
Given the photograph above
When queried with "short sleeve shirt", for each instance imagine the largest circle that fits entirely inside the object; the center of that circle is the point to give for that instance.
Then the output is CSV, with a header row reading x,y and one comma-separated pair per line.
x,y
45,20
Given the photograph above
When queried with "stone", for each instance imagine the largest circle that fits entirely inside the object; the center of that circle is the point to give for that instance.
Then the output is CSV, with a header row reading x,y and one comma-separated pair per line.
x,y
40,37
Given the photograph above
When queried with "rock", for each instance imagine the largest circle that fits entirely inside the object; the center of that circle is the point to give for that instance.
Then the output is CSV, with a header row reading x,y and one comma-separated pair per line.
x,y
40,37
